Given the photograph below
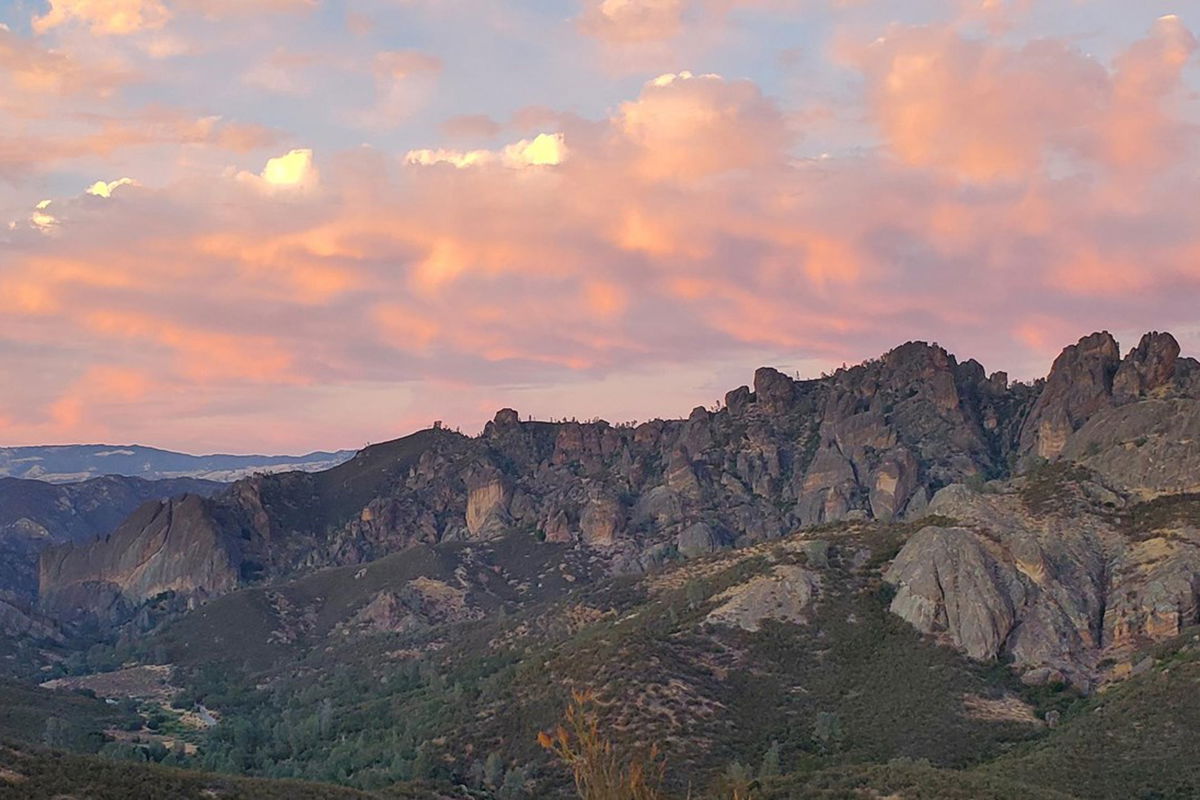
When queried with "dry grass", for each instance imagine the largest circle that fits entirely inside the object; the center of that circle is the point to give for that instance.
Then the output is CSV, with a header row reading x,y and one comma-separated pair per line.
x,y
599,770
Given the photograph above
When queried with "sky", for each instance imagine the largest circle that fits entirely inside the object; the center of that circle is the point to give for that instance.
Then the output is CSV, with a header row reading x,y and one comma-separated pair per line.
x,y
286,225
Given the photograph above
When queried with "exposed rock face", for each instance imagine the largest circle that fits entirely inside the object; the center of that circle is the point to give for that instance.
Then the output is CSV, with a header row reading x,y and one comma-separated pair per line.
x,y
1148,367
18,620
951,582
1080,384
893,429
1155,590
488,496
171,546
1147,448
1089,379
36,515
602,520
1058,592
698,540
418,604
783,595
773,389
875,441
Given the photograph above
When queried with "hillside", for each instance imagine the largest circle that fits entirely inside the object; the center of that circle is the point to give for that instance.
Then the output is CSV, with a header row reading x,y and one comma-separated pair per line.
x,y
905,579
29,774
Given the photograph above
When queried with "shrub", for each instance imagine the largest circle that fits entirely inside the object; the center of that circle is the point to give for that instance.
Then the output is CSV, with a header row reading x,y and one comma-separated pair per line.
x,y
599,771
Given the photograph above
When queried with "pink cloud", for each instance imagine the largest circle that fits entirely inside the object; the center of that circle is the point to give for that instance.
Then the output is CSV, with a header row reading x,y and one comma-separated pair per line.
x,y
293,295
684,125
985,110
125,17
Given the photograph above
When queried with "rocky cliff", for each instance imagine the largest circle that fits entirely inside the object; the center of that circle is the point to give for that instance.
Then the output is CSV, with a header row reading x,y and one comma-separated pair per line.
x,y
35,515
1055,571
176,546
876,441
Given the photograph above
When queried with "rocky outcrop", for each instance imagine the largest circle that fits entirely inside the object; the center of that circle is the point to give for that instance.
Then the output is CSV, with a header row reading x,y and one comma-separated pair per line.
x,y
1059,592
19,621
952,583
1089,380
1080,384
602,519
1154,592
488,496
35,515
782,595
898,428
1147,448
699,539
420,603
173,546
1148,368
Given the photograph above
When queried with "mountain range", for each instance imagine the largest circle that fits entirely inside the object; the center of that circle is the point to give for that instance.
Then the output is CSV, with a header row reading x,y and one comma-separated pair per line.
x,y
80,462
911,577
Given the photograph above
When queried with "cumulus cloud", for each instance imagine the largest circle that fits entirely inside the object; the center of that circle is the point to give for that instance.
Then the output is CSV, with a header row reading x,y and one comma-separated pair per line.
x,y
106,188
42,218
981,109
987,110
117,17
31,74
633,20
544,150
291,170
684,125
124,17
98,136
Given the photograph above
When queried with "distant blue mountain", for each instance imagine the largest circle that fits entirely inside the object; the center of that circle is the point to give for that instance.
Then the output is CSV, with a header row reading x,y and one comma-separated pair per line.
x,y
73,463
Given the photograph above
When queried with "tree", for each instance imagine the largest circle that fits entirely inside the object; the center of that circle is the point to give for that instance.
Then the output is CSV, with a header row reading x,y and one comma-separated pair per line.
x,y
493,770
827,730
513,787
325,718
770,763
738,781
58,733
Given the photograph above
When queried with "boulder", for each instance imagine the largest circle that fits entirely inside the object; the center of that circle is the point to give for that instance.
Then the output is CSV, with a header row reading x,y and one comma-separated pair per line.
x,y
699,539
783,595
602,520
950,583
773,390
738,400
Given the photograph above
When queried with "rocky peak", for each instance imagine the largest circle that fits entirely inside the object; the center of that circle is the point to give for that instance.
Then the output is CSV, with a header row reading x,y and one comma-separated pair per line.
x,y
738,400
774,390
1149,366
1080,384
174,546
506,420
916,357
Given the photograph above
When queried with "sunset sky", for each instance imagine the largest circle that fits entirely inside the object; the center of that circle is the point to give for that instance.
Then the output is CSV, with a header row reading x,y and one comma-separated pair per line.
x,y
282,225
